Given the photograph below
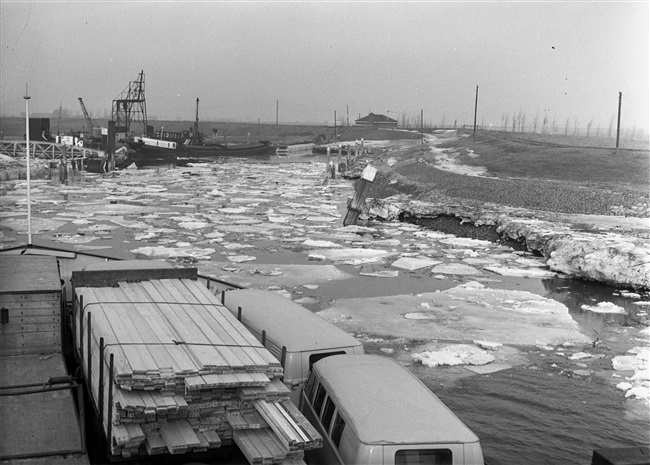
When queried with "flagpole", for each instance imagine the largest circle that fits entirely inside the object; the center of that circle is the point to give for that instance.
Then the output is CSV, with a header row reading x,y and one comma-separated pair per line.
x,y
29,194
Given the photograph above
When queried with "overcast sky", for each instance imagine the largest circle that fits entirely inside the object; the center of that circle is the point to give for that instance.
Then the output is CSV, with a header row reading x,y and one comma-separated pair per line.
x,y
564,60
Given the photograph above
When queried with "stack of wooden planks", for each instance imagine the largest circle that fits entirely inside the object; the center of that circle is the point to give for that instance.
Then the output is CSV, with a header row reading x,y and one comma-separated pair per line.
x,y
188,376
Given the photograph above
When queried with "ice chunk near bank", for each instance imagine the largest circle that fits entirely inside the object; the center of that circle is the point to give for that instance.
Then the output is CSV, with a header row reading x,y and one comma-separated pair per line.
x,y
455,268
466,242
613,259
521,272
381,273
241,258
413,263
487,345
361,255
452,355
194,225
324,244
173,252
604,307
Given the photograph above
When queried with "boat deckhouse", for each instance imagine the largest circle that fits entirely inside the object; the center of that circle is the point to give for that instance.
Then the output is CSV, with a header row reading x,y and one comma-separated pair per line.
x,y
377,121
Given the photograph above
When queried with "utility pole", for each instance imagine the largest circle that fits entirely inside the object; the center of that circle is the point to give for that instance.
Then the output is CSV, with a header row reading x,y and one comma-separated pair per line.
x,y
422,125
335,134
29,194
277,106
475,110
618,123
347,111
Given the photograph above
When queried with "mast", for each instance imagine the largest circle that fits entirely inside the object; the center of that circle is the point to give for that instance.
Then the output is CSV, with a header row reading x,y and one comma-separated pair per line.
x,y
196,122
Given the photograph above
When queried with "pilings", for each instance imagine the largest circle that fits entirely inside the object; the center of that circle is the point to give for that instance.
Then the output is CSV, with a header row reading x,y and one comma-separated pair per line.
x,y
343,161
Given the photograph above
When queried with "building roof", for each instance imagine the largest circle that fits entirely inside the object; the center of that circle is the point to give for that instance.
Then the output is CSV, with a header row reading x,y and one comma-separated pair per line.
x,y
386,404
374,118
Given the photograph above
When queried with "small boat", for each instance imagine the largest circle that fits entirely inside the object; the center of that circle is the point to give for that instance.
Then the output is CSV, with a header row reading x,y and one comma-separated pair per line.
x,y
195,147
123,158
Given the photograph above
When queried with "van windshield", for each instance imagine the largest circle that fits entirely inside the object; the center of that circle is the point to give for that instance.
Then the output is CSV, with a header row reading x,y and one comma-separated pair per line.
x,y
423,457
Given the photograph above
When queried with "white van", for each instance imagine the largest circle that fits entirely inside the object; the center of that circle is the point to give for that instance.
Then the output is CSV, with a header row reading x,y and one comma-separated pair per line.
x,y
371,410
296,336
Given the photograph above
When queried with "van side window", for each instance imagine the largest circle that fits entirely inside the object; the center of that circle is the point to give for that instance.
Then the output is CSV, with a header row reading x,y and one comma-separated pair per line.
x,y
423,457
313,358
310,386
328,412
337,429
319,398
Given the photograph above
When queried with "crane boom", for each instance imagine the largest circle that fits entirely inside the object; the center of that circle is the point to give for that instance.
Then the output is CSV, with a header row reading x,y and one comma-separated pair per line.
x,y
86,115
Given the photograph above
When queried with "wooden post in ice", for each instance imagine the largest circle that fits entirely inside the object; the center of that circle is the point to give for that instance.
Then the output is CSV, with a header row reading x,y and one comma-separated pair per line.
x,y
328,166
360,194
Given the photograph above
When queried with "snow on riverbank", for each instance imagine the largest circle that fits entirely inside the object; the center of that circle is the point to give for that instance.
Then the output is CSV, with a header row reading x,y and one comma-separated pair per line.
x,y
599,255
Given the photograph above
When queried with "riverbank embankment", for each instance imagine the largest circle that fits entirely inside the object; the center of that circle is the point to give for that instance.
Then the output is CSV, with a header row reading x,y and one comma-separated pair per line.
x,y
585,223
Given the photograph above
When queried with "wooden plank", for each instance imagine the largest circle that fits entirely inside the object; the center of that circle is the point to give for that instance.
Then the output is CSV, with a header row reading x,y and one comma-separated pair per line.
x,y
173,438
125,330
159,355
33,320
253,350
203,322
200,347
213,438
34,307
247,446
51,327
188,434
155,444
111,330
30,341
18,298
182,363
201,355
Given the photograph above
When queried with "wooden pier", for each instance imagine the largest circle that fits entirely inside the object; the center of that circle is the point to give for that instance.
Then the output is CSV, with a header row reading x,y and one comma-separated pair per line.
x,y
48,150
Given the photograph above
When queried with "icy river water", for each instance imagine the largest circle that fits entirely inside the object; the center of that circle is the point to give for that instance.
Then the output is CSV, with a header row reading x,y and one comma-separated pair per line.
x,y
277,225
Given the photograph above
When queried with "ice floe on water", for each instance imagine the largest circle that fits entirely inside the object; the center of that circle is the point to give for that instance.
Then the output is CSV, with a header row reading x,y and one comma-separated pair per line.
x,y
230,222
454,354
638,366
468,311
521,272
455,269
604,307
174,252
414,263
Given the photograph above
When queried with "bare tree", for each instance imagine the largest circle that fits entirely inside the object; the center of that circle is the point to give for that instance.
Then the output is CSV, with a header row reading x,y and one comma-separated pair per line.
x,y
522,121
504,120
575,126
566,128
554,123
611,126
589,126
535,121
544,123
